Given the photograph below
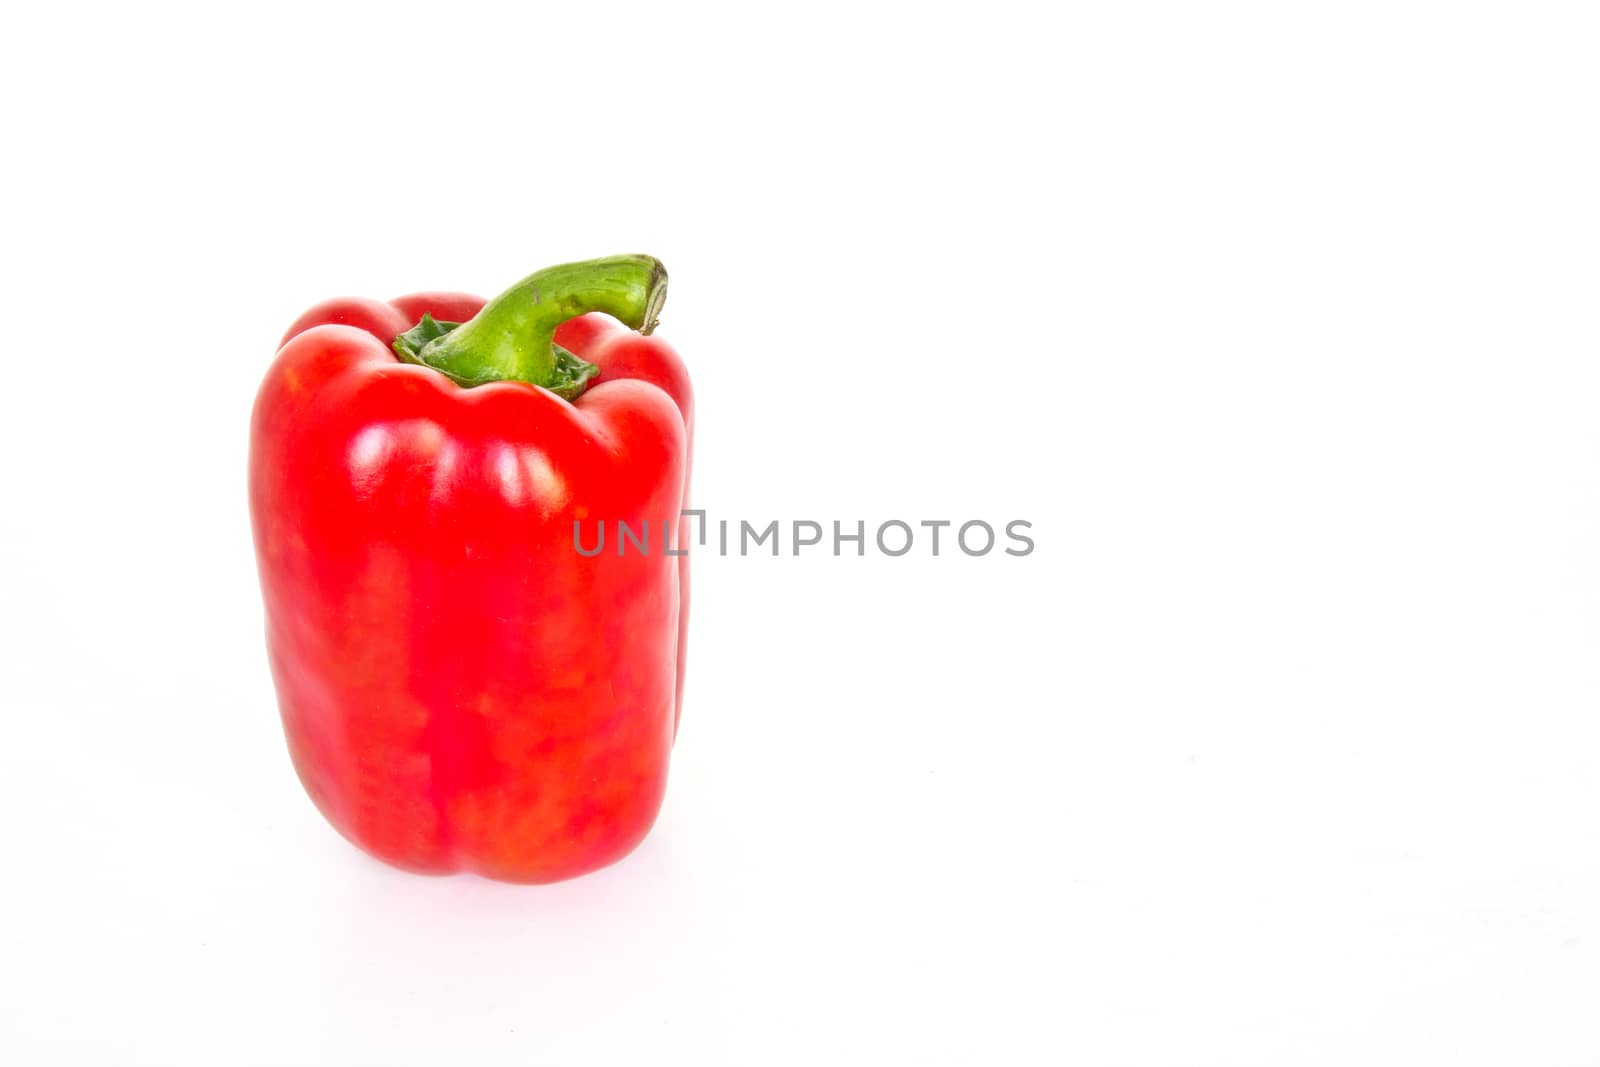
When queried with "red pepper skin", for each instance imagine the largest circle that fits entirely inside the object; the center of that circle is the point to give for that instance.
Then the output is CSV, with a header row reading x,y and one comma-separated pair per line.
x,y
461,689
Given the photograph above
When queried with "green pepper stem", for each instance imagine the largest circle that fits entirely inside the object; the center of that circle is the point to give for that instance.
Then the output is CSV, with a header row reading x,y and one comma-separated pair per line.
x,y
511,338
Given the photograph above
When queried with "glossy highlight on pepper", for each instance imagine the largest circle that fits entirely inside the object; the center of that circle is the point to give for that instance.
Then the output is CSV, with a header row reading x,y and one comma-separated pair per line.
x,y
460,690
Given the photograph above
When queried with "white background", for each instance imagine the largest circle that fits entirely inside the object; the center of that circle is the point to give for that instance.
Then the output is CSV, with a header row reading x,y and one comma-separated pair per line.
x,y
1278,321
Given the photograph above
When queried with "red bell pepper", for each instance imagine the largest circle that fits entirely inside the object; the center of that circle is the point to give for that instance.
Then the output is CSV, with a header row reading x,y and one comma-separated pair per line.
x,y
461,688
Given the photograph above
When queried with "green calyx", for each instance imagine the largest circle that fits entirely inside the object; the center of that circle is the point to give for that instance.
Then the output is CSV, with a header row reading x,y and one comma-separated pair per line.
x,y
511,338
569,378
